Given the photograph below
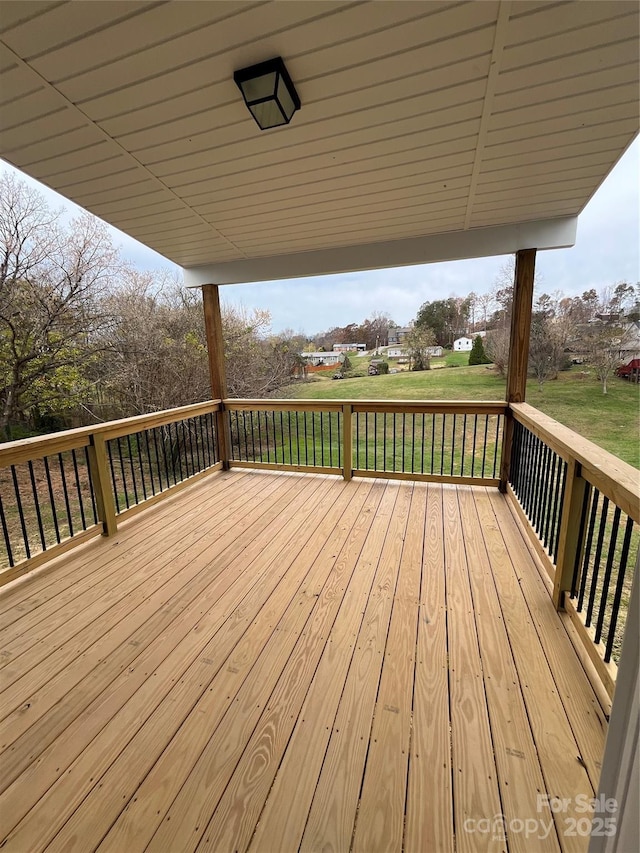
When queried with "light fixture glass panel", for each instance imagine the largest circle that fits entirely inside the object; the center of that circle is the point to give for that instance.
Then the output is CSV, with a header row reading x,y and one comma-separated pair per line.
x,y
286,101
268,114
260,87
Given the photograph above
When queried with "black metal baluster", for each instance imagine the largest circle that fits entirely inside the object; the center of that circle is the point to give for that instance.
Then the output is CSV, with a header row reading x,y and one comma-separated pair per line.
x,y
313,435
403,439
133,473
375,441
582,529
74,459
5,533
321,439
65,492
357,440
169,469
596,560
242,439
607,574
384,441
330,444
473,448
298,434
282,438
141,464
553,526
443,418
413,441
113,478
36,503
158,462
150,460
464,441
617,597
495,449
124,479
484,444
181,449
23,526
394,441
433,440
453,442
306,441
366,441
422,446
558,513
275,441
91,492
338,421
52,499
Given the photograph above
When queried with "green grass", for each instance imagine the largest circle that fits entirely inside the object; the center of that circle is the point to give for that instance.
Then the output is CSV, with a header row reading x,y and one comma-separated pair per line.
x,y
574,399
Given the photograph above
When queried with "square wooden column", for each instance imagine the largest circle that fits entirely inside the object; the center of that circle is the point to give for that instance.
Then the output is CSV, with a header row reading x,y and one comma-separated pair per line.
x,y
217,375
522,306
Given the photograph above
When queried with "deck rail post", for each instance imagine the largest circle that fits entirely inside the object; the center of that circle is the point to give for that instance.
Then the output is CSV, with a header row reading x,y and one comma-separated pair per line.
x,y
571,536
105,505
521,309
217,374
347,441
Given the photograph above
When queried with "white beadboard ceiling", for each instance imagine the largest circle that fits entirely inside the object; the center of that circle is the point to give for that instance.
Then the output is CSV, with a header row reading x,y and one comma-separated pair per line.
x,y
418,119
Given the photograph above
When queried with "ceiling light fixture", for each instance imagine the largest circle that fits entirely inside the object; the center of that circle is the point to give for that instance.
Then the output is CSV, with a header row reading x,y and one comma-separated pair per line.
x,y
268,92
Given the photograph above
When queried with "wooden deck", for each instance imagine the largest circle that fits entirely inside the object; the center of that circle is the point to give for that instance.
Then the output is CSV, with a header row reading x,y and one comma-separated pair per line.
x,y
283,662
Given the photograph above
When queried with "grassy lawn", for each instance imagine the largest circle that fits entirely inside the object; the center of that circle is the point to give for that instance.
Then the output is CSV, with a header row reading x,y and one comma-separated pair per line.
x,y
574,399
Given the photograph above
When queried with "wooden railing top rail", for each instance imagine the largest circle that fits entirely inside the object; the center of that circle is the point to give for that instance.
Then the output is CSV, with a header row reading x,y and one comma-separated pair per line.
x,y
613,477
17,452
490,407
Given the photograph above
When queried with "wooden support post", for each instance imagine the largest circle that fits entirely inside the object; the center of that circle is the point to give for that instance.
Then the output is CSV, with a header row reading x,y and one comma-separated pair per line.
x,y
105,505
217,375
570,537
518,349
347,441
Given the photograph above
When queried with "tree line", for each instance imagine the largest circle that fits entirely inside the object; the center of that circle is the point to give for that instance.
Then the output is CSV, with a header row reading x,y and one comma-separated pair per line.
x,y
84,337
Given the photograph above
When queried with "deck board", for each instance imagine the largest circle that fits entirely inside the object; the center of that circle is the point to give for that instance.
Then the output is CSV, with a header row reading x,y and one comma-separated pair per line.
x,y
273,661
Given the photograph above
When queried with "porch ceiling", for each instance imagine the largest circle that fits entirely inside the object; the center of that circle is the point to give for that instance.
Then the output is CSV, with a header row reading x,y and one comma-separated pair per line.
x,y
417,119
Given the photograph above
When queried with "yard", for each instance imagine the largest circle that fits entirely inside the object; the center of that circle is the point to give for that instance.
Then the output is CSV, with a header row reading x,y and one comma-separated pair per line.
x,y
575,399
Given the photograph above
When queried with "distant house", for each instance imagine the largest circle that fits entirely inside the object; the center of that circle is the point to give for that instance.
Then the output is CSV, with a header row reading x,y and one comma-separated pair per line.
x,y
397,335
630,341
463,345
349,347
323,359
395,352
435,352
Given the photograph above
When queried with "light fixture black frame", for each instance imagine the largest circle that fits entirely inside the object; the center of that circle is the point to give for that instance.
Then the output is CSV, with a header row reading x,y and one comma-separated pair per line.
x,y
270,66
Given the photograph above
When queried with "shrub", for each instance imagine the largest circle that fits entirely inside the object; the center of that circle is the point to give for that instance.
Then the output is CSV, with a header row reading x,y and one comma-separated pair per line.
x,y
477,354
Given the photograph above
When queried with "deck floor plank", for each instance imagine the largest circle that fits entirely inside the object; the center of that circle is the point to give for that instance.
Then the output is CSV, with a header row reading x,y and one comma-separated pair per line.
x,y
429,821
333,811
519,773
475,788
288,661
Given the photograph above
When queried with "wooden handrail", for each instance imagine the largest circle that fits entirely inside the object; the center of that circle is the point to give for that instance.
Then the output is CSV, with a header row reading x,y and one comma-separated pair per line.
x,y
471,407
613,477
17,452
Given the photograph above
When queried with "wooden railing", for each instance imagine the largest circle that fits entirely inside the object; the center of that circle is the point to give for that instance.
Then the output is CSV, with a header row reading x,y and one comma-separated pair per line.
x,y
581,507
57,491
457,442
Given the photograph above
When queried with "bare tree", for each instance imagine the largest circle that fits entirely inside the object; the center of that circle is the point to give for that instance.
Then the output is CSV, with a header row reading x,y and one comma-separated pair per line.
x,y
52,283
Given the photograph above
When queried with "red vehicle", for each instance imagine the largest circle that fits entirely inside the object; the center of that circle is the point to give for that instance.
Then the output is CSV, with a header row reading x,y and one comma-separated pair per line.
x,y
630,371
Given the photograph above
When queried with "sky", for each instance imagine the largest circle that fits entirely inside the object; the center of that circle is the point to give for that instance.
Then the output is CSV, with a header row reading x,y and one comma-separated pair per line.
x,y
607,251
